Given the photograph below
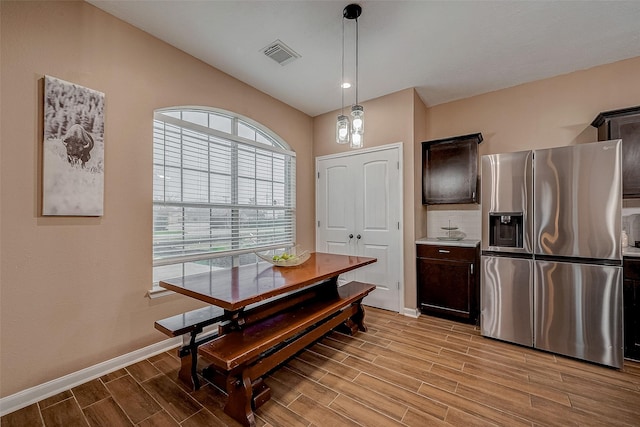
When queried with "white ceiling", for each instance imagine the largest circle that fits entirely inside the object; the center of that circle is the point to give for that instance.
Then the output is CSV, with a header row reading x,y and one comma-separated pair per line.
x,y
447,50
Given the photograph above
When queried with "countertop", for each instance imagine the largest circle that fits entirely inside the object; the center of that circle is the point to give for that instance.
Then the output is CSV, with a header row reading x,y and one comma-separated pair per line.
x,y
628,251
631,252
465,242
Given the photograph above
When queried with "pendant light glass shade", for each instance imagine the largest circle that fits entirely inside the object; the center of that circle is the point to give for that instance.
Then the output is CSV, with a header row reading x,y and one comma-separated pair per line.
x,y
357,119
357,126
343,129
357,140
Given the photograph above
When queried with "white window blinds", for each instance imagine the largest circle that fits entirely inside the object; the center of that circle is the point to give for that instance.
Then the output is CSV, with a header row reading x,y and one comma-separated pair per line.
x,y
221,186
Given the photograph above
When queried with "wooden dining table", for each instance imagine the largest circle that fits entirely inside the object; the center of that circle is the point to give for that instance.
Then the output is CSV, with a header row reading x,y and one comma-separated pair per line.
x,y
234,289
261,292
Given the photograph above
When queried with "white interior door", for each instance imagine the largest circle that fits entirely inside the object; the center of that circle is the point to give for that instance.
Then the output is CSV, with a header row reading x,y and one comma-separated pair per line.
x,y
334,210
358,212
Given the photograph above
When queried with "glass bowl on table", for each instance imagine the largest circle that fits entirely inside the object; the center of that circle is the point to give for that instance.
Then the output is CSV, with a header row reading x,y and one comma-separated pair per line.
x,y
285,257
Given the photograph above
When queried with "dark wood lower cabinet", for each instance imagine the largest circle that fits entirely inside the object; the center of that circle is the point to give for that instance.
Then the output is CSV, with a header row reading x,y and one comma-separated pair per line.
x,y
631,296
447,278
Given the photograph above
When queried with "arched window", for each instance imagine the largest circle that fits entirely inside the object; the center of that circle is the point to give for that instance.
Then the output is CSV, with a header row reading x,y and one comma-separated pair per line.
x,y
223,188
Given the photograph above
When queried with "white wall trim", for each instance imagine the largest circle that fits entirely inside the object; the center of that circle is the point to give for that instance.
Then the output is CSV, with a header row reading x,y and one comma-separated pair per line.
x,y
411,312
157,292
35,394
361,151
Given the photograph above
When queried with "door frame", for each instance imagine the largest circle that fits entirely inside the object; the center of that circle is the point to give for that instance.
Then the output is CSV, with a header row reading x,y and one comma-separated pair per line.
x,y
398,146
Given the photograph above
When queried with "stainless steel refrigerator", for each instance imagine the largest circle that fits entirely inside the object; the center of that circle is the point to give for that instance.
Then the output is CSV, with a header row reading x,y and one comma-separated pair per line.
x,y
551,253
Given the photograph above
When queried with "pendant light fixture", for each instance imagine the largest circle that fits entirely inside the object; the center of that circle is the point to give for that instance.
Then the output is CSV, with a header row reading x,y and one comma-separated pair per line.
x,y
343,125
351,131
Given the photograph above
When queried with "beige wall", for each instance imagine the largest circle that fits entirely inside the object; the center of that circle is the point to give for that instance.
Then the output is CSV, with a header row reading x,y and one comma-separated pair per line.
x,y
388,119
547,113
421,133
73,289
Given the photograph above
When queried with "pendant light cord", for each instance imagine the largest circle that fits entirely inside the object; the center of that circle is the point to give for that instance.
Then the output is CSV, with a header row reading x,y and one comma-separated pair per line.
x,y
356,60
342,78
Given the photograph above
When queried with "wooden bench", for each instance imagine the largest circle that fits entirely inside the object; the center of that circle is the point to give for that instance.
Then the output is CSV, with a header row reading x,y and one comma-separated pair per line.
x,y
190,326
271,334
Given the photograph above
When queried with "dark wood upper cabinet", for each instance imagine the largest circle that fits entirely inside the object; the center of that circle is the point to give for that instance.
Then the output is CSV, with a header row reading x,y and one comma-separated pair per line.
x,y
624,124
450,170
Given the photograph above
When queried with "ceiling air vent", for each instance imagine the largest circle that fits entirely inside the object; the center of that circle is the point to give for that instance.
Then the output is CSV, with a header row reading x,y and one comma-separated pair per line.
x,y
280,52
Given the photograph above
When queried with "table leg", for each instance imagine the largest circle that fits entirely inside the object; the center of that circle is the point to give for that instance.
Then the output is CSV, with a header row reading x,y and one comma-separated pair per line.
x,y
329,287
189,362
355,322
234,320
358,318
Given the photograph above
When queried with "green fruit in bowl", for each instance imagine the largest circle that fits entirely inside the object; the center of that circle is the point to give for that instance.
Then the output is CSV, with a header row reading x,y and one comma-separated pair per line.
x,y
285,256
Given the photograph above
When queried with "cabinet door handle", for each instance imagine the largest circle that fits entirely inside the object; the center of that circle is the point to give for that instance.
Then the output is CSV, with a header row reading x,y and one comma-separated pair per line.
x,y
471,268
442,251
358,237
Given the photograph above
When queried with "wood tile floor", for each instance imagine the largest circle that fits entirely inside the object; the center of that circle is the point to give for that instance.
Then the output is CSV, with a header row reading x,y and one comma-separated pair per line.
x,y
403,372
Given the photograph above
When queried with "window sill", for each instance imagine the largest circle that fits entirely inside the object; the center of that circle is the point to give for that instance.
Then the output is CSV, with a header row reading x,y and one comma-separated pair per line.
x,y
157,292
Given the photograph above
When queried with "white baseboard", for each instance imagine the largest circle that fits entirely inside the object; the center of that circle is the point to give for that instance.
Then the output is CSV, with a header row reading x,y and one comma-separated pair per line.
x,y
411,312
35,394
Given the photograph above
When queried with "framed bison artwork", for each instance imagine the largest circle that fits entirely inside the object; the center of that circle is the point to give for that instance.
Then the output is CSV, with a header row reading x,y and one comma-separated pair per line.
x,y
73,151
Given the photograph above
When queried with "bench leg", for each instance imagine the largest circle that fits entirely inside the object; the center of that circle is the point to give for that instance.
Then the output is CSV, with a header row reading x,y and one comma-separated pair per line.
x,y
358,318
238,405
